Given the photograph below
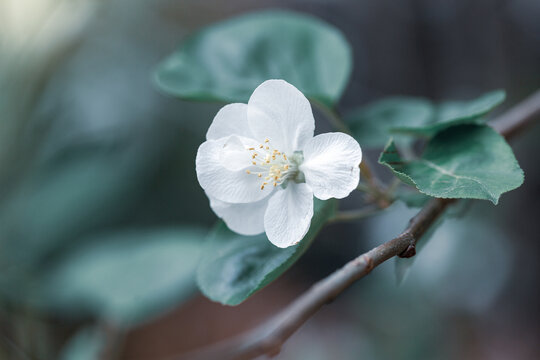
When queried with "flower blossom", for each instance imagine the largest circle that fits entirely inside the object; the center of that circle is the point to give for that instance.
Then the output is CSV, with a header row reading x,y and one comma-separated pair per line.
x,y
260,165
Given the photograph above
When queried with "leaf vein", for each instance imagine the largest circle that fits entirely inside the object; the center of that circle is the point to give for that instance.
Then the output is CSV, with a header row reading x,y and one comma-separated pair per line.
x,y
447,172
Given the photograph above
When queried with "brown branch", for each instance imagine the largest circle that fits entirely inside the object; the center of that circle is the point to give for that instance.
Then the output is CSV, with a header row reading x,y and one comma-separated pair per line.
x,y
268,337
353,215
374,183
517,118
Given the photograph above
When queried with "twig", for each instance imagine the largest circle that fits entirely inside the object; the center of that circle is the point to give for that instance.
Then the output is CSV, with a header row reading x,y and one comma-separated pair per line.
x,y
372,180
268,337
352,215
516,119
332,116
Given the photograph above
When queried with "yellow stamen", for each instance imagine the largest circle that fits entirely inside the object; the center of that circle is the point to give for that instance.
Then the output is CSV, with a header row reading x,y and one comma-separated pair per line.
x,y
275,164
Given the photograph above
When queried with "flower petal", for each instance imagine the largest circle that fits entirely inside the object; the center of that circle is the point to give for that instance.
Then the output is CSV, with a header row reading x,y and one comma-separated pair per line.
x,y
234,155
331,165
280,112
230,120
222,183
245,219
288,215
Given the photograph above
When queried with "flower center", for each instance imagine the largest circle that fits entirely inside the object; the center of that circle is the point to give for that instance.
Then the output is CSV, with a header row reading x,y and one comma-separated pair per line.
x,y
273,166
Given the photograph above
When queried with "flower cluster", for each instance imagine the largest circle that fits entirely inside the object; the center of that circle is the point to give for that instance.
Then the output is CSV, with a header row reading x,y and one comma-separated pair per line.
x,y
260,165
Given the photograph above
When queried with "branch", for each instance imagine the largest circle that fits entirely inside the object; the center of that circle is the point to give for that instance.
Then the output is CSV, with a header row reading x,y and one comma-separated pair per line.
x,y
354,215
268,337
374,183
517,118
333,117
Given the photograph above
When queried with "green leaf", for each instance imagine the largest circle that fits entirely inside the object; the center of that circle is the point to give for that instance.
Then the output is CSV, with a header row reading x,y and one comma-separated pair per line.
x,y
468,161
228,60
371,125
453,113
124,277
374,124
235,266
53,208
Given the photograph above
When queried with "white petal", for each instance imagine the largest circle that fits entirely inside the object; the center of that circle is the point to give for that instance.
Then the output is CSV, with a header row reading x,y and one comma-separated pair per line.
x,y
234,154
230,120
245,219
331,165
288,215
280,112
222,183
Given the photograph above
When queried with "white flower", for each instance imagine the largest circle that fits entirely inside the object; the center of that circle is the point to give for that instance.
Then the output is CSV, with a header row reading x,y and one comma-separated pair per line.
x,y
260,165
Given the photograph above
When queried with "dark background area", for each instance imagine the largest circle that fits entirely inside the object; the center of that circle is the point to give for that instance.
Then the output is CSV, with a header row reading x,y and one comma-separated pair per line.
x,y
473,291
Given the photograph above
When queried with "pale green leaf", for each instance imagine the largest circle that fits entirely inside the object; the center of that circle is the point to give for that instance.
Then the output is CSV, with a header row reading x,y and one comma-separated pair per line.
x,y
469,161
124,277
397,117
371,125
453,113
228,60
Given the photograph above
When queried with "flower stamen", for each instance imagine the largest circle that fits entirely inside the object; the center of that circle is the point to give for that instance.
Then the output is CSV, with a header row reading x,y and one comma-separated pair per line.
x,y
271,164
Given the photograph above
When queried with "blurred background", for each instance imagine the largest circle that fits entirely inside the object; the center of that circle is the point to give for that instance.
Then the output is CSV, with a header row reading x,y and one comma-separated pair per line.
x,y
97,171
